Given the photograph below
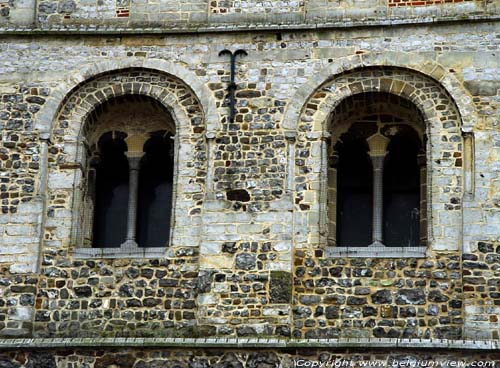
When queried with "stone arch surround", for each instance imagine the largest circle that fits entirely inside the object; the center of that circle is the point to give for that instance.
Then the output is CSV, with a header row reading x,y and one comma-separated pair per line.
x,y
440,115
148,308
367,296
413,63
46,117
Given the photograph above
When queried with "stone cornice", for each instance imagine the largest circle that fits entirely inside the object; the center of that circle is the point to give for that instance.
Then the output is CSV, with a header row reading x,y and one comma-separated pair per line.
x,y
246,343
215,28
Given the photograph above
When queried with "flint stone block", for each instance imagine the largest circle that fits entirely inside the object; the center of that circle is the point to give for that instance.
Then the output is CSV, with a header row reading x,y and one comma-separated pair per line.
x,y
246,261
410,296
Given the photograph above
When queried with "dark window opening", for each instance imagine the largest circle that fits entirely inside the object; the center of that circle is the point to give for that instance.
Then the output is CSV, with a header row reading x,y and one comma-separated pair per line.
x,y
155,192
402,191
355,193
111,192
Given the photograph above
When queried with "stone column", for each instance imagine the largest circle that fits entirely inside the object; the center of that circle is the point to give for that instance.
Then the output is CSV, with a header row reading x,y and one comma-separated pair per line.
x,y
332,183
134,154
290,137
378,150
468,165
421,159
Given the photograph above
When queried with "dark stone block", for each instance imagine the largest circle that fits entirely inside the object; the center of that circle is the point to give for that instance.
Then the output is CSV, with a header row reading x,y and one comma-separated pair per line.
x,y
362,272
369,311
240,195
147,273
248,94
229,247
229,361
36,100
493,258
83,291
41,360
334,299
204,281
352,300
67,6
437,296
407,312
120,360
262,360
280,287
302,312
246,331
382,297
133,303
310,299
485,247
126,290
448,332
410,296
474,280
168,282
475,265
469,257
6,363
246,261
132,272
332,312
151,302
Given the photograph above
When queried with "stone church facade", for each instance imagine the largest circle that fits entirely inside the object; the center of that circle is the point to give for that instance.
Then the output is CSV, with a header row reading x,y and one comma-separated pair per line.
x,y
329,191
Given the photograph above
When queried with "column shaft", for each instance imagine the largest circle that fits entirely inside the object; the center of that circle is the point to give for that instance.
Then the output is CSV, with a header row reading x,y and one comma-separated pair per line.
x,y
378,200
134,159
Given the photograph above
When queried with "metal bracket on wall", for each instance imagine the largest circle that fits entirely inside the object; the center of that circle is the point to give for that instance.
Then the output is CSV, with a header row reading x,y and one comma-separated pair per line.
x,y
231,88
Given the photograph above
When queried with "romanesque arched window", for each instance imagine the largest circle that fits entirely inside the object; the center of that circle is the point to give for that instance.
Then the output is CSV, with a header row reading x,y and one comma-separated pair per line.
x,y
128,179
376,177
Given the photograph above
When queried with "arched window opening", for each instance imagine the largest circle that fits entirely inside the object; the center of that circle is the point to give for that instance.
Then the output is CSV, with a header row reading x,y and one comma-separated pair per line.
x,y
376,188
111,191
402,190
354,199
128,182
155,191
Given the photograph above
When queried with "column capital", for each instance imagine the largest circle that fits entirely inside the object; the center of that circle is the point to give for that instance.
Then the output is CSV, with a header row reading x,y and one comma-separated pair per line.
x,y
378,144
135,142
134,159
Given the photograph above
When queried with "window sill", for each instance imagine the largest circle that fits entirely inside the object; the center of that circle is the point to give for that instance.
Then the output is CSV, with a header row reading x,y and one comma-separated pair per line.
x,y
376,252
146,252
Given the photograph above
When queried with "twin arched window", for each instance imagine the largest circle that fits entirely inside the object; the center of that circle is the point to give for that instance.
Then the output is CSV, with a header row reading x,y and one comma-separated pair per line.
x,y
114,187
128,186
377,175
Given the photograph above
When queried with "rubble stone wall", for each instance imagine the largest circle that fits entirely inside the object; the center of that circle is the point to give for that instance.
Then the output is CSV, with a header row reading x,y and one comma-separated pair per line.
x,y
251,258
232,358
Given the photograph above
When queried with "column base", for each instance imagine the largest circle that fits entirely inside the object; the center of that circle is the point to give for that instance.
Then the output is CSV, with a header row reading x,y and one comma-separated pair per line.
x,y
129,244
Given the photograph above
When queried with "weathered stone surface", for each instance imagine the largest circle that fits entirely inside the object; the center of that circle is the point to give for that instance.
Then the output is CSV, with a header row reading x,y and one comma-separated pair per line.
x,y
119,360
253,195
41,360
410,296
7,363
280,288
245,261
382,297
